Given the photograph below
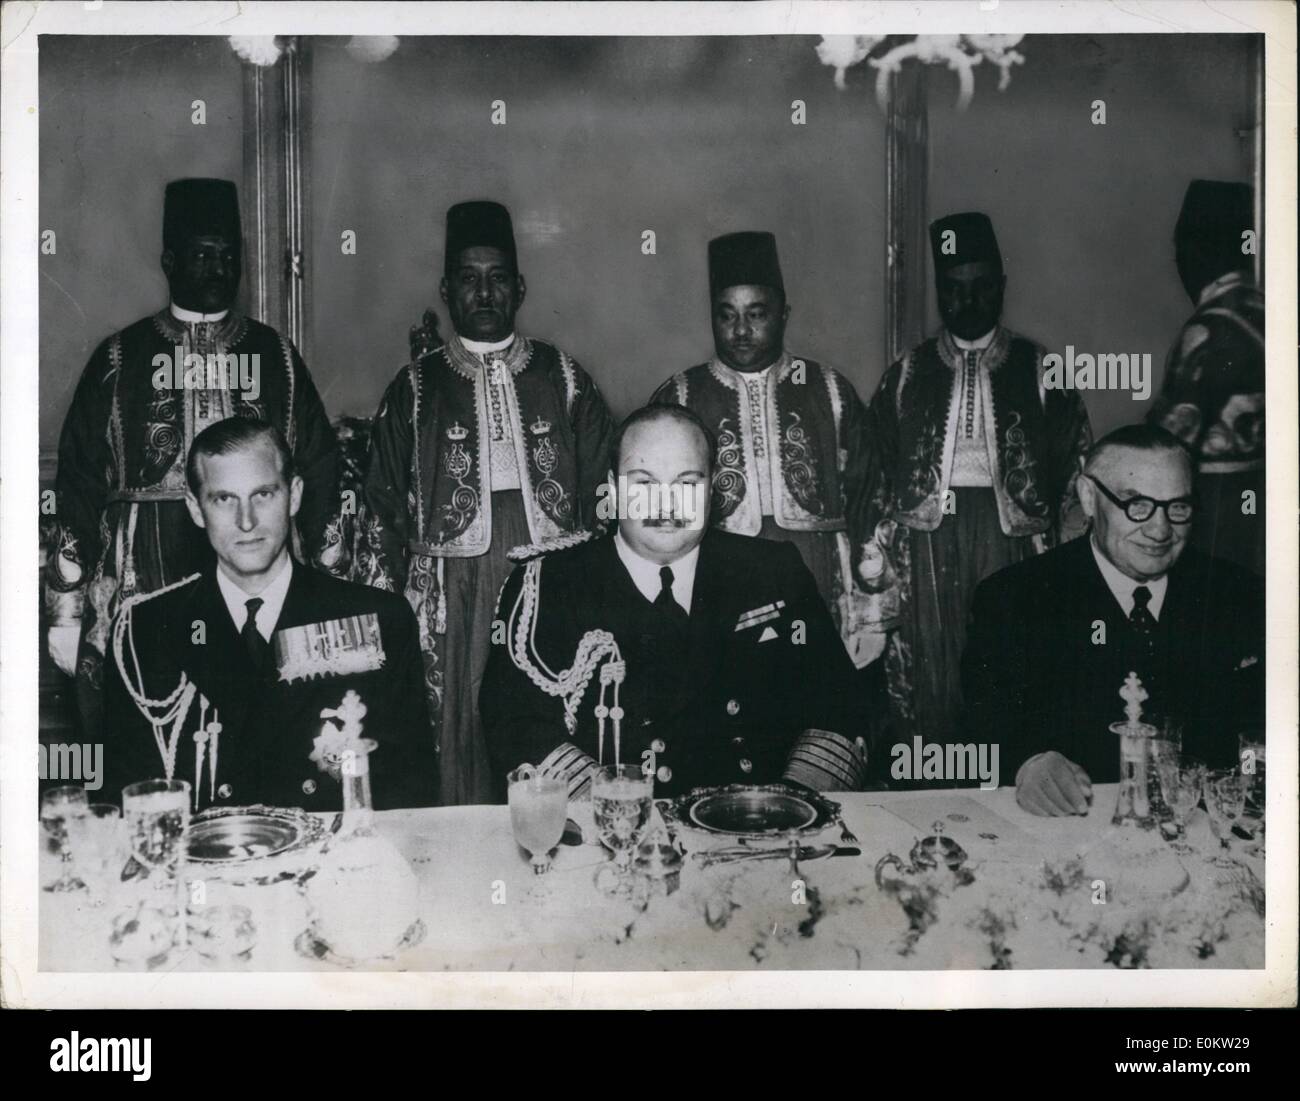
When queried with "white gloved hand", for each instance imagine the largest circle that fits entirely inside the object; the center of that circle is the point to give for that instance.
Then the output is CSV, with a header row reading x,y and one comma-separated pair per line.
x,y
63,644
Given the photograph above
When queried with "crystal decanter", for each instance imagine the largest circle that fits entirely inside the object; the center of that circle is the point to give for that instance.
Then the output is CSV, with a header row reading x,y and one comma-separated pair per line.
x,y
1133,805
364,898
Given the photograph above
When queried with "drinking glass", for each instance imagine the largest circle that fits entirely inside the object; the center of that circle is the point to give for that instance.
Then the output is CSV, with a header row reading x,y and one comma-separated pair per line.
x,y
142,936
1225,799
1163,747
621,799
157,814
1250,756
222,934
539,807
58,807
1182,780
98,842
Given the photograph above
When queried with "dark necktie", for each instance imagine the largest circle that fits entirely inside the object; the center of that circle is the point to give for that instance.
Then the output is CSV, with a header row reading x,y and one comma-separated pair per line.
x,y
254,643
668,607
1144,623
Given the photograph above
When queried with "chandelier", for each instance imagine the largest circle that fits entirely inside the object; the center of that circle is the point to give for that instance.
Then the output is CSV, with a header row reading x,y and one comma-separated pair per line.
x,y
960,52
264,50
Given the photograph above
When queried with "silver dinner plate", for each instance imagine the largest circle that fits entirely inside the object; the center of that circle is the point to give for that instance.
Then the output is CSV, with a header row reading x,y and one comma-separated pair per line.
x,y
235,837
757,811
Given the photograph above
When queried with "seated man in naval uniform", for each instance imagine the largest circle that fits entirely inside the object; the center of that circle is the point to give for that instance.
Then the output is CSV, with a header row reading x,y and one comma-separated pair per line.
x,y
220,680
734,672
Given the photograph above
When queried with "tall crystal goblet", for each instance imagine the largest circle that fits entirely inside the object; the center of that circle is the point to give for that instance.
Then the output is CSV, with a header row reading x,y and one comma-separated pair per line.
x,y
58,807
621,799
157,814
1164,745
98,842
1182,780
539,807
1225,800
1250,756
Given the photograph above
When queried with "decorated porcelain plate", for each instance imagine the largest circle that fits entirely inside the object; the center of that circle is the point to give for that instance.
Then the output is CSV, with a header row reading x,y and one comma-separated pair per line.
x,y
758,811
252,838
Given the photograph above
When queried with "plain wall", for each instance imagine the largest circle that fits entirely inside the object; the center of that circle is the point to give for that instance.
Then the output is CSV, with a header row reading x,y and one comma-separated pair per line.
x,y
605,139
114,128
1085,214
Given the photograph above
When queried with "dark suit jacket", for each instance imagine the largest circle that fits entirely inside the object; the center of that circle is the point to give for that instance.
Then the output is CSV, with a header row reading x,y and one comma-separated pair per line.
x,y
740,700
269,725
1034,679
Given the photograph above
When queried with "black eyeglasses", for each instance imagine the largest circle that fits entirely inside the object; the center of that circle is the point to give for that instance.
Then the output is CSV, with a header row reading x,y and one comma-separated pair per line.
x,y
1140,509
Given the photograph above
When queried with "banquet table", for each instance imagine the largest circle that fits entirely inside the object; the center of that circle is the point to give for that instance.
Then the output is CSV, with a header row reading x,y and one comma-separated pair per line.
x,y
1035,901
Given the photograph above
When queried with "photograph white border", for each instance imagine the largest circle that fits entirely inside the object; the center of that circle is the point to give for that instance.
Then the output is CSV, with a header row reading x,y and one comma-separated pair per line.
x,y
22,985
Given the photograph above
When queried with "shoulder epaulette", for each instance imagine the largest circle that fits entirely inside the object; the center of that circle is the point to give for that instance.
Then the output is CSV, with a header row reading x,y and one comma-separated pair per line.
x,y
526,551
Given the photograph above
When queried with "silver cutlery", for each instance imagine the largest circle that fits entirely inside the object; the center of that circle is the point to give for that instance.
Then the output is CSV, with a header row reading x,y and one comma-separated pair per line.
x,y
731,856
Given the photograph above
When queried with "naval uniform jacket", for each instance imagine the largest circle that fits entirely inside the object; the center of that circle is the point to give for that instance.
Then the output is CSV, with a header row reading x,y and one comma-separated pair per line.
x,y
268,725
757,688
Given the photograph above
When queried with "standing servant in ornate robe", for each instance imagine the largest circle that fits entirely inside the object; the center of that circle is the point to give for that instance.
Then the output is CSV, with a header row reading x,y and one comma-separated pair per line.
x,y
977,466
791,442
143,397
490,441
1213,394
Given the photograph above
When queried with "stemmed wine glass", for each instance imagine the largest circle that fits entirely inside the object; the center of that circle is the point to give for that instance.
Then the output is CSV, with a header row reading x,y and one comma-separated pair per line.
x,y
1250,756
539,807
1164,746
157,816
1225,799
621,799
58,807
1182,780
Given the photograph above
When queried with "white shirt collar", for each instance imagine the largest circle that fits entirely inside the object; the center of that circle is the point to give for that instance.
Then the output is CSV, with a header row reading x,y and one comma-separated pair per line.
x,y
645,574
1122,586
759,374
482,348
190,317
272,598
974,345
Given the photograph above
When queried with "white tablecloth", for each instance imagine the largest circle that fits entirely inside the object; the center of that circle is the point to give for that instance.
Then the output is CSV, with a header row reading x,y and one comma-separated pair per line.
x,y
482,909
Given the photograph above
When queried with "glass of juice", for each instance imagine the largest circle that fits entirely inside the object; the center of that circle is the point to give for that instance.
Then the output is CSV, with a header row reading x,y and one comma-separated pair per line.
x,y
539,807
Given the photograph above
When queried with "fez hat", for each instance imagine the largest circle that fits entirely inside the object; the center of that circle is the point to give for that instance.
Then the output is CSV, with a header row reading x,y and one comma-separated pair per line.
x,y
479,223
1215,214
973,241
744,259
200,208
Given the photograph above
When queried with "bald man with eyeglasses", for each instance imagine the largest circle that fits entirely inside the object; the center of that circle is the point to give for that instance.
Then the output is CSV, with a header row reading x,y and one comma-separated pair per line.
x,y
1053,638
